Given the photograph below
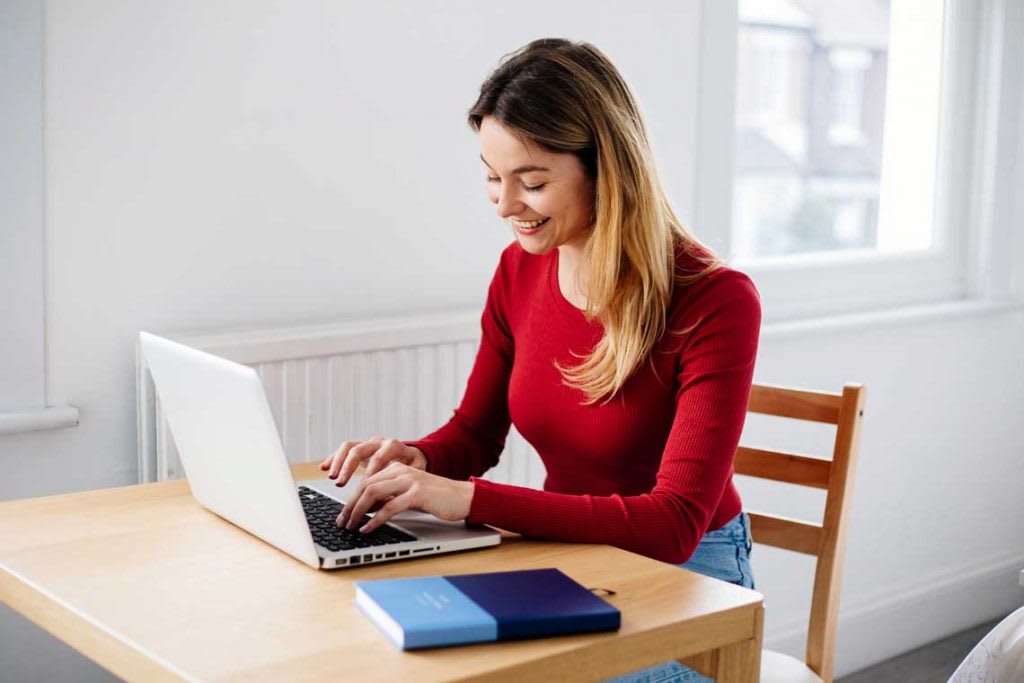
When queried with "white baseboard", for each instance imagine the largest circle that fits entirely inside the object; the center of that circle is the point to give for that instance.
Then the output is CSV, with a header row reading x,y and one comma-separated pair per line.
x,y
901,618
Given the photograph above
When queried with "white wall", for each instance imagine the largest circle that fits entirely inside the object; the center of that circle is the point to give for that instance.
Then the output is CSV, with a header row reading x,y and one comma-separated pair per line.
x,y
244,164
936,538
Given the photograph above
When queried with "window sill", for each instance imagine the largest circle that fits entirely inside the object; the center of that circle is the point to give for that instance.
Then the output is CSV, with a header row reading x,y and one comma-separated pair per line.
x,y
888,318
51,417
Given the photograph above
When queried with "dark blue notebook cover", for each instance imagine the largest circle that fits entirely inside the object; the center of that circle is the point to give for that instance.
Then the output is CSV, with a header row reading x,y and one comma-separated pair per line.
x,y
473,608
537,602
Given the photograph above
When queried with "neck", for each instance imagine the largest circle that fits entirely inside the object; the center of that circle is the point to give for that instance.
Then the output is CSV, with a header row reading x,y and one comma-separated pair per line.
x,y
570,261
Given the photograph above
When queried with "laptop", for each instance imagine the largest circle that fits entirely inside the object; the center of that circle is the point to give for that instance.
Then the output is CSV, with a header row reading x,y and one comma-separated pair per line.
x,y
236,467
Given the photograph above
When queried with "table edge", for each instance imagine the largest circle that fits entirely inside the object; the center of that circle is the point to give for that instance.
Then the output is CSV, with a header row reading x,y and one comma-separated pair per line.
x,y
86,635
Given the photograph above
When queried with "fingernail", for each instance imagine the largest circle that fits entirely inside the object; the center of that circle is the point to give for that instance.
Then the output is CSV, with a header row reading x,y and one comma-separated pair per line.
x,y
364,529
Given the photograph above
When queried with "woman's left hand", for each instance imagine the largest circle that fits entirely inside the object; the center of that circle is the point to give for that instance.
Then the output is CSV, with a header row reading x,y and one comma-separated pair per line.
x,y
399,487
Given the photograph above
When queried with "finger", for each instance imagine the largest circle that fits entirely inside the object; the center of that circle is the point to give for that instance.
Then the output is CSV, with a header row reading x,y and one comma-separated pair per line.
x,y
326,464
330,458
384,456
339,456
327,461
372,464
348,512
384,475
350,462
370,495
346,448
391,508
389,470
346,509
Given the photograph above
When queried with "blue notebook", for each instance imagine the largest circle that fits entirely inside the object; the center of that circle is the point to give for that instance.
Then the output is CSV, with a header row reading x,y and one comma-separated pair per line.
x,y
477,608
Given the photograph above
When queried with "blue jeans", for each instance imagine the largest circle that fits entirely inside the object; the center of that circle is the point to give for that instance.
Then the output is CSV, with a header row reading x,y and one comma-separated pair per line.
x,y
723,554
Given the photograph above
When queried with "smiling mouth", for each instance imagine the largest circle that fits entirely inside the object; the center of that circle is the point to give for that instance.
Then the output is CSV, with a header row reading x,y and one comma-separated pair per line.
x,y
530,225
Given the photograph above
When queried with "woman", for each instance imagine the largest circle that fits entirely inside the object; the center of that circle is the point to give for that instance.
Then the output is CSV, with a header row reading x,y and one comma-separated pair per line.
x,y
618,345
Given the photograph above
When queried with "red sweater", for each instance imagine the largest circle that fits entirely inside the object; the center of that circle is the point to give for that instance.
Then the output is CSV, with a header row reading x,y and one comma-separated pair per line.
x,y
649,472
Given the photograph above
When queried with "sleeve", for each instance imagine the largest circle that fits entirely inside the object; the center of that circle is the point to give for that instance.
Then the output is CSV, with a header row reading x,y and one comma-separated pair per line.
x,y
715,373
471,442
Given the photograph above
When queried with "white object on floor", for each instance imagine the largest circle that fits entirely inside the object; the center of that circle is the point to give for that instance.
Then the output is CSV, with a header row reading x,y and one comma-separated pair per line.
x,y
999,657
779,668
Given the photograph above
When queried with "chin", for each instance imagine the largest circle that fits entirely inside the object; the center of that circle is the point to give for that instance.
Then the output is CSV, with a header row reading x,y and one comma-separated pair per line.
x,y
534,247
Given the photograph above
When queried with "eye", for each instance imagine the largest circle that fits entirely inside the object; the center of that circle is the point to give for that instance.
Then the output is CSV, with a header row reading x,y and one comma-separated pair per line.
x,y
528,188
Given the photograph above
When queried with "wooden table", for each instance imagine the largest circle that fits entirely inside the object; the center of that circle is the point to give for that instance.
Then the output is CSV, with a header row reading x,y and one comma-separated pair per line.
x,y
153,587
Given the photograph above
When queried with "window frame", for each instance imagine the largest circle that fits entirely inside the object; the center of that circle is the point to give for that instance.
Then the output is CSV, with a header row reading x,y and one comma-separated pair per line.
x,y
962,264
23,404
21,207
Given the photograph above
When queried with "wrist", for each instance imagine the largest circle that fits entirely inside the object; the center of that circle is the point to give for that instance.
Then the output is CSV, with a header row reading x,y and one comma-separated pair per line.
x,y
468,489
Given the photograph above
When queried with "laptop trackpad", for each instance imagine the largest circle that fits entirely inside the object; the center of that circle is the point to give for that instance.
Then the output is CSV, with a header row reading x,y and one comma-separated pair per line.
x,y
424,526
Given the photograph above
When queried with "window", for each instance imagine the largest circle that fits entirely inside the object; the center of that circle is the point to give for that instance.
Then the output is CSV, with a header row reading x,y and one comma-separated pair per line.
x,y
22,380
852,93
859,136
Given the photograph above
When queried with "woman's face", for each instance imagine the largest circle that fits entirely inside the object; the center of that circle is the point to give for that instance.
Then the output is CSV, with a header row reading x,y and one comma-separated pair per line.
x,y
529,184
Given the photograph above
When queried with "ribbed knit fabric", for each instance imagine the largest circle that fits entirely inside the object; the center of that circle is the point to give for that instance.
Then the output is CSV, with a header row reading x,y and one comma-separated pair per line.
x,y
651,471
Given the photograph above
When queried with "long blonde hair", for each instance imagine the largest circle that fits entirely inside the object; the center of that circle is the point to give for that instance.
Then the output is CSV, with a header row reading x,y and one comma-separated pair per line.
x,y
568,97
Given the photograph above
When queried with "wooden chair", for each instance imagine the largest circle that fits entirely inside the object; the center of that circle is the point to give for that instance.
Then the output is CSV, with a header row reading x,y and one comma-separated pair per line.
x,y
826,541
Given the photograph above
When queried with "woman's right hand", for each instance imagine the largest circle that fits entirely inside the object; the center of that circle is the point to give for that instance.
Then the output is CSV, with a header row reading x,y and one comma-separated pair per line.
x,y
374,455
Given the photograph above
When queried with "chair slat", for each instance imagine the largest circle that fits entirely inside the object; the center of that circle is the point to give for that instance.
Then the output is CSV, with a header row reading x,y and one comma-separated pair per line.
x,y
791,468
818,406
785,532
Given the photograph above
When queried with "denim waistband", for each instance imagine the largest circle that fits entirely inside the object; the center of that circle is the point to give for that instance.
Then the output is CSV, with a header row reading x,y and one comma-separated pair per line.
x,y
736,529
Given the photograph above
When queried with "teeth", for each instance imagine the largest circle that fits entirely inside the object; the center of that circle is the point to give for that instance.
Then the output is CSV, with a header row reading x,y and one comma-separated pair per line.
x,y
530,224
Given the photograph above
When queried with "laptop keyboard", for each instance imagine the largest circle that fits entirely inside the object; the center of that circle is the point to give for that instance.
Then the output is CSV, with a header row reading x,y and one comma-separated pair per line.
x,y
321,513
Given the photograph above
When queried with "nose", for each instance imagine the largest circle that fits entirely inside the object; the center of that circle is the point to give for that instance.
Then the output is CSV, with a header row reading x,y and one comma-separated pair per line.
x,y
507,201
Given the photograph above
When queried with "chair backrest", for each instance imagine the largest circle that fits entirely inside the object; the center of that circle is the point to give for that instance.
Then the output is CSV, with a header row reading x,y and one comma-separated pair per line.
x,y
826,541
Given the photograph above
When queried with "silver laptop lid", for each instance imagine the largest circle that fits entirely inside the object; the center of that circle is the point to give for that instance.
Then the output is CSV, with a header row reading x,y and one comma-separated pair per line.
x,y
228,443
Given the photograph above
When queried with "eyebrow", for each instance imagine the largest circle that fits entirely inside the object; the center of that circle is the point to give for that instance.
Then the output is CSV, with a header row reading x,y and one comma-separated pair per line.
x,y
521,169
